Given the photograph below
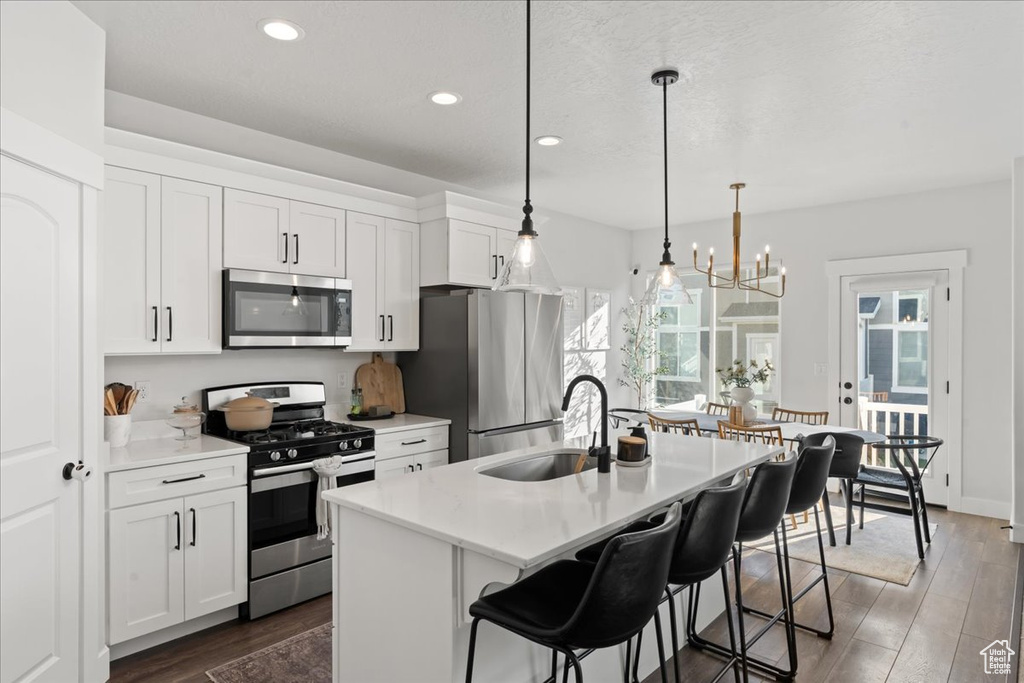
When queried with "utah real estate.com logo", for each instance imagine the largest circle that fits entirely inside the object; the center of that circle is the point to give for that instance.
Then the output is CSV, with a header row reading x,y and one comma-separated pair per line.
x,y
997,657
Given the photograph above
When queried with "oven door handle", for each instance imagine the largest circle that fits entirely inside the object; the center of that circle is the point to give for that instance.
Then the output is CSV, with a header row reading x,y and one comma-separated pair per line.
x,y
298,467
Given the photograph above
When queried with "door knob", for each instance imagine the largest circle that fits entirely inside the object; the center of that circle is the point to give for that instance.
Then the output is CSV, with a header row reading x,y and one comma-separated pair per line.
x,y
847,400
76,471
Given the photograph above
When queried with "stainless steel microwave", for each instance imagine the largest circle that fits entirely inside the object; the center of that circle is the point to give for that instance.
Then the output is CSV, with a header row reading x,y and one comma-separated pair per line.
x,y
268,310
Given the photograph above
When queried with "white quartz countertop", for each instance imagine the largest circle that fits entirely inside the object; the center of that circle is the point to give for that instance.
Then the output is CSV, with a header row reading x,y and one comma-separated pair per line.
x,y
397,423
161,451
527,523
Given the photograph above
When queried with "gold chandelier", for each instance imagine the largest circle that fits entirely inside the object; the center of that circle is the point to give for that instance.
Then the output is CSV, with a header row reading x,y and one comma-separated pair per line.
x,y
734,281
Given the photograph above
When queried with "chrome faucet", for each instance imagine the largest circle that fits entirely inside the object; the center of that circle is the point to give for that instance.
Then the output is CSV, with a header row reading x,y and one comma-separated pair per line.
x,y
603,453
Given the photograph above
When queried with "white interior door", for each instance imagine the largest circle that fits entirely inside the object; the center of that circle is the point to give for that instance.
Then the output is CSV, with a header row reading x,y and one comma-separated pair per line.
x,y
894,363
40,367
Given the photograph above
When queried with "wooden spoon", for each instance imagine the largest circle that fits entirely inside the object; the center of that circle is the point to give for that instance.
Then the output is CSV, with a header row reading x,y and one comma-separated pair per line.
x,y
109,406
130,399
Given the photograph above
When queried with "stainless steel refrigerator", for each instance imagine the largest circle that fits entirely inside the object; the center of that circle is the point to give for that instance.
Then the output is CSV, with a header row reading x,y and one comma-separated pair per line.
x,y
491,362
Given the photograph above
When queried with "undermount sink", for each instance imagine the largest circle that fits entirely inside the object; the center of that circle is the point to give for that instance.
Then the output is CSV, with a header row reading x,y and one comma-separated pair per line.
x,y
541,467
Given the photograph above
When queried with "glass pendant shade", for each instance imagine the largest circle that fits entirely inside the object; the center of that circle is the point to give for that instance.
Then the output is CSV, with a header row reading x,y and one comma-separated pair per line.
x,y
526,269
666,284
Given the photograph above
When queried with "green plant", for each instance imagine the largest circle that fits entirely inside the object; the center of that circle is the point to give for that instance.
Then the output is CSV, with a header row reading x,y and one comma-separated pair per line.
x,y
637,368
739,375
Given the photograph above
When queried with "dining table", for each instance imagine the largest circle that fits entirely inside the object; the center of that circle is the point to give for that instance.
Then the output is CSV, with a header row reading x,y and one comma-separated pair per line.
x,y
791,431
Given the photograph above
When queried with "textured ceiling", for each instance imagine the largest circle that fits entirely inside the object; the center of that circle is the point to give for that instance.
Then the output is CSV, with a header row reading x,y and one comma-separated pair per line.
x,y
807,102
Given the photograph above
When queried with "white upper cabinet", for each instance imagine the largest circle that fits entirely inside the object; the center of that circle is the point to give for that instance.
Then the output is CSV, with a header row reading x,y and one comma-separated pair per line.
x,y
383,265
256,231
317,240
131,261
457,252
190,291
279,235
162,262
402,285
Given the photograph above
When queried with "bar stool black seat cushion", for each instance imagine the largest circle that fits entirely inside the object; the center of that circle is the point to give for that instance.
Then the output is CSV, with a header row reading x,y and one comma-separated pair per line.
x,y
577,604
812,470
766,499
848,453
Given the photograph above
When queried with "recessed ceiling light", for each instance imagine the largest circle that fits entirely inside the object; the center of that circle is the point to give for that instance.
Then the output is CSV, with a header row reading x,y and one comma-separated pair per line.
x,y
281,29
445,98
548,140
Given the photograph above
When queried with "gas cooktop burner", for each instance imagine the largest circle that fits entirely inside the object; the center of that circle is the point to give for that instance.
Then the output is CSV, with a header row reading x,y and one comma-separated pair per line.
x,y
297,431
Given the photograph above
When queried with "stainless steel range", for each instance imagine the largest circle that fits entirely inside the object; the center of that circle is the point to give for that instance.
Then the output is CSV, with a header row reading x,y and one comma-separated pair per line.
x,y
287,563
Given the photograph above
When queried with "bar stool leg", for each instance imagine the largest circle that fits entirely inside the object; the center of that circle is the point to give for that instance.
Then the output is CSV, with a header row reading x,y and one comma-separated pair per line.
x,y
674,629
636,658
742,651
787,600
472,650
661,647
828,589
728,620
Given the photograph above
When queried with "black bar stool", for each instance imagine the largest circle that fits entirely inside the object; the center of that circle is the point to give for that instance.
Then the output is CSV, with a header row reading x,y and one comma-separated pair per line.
x,y
845,467
812,469
763,511
571,605
703,549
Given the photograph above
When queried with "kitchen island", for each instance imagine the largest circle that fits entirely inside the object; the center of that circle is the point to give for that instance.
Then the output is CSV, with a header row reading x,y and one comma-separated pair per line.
x,y
412,553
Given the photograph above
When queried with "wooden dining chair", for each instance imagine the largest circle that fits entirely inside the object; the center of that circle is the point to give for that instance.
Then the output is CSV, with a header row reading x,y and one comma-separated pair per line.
x,y
811,418
716,408
688,427
770,435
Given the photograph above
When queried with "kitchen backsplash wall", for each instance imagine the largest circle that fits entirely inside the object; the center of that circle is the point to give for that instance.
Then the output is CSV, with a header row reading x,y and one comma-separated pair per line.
x,y
172,377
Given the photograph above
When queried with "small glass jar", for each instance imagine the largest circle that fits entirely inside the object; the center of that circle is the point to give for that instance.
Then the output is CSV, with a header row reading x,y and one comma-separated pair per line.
x,y
357,401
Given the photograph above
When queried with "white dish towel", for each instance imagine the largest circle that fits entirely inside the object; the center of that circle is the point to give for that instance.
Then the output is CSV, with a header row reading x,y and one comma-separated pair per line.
x,y
328,470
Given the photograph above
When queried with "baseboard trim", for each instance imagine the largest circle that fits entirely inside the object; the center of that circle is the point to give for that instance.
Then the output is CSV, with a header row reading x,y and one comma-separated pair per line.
x,y
130,647
984,507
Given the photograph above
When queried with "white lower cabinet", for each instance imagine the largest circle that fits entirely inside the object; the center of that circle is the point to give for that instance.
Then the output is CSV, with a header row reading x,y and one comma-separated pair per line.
x,y
174,560
411,451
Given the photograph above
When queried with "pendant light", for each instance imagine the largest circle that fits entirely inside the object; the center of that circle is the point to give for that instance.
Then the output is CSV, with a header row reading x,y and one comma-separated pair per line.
x,y
526,269
667,280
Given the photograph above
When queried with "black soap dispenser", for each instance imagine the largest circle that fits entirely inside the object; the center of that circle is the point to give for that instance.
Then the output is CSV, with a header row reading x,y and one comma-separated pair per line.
x,y
639,432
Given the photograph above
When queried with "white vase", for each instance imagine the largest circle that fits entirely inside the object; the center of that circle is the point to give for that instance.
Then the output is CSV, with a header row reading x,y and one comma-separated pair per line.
x,y
741,396
117,430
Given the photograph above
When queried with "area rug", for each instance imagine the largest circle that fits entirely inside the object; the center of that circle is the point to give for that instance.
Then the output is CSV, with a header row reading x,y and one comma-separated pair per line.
x,y
884,549
305,658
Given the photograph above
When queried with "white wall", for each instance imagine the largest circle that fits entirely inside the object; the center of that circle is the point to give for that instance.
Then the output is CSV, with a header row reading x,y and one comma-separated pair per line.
x,y
975,218
1017,437
51,69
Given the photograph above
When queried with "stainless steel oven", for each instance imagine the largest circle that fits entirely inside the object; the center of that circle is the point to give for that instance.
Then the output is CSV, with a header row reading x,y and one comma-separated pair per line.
x,y
280,310
287,563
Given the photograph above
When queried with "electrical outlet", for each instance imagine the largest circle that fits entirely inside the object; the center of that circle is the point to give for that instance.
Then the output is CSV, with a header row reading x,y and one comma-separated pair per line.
x,y
820,369
342,380
144,389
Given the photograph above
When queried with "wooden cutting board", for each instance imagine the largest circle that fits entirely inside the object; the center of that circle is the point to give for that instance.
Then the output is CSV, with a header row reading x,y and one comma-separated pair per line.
x,y
381,383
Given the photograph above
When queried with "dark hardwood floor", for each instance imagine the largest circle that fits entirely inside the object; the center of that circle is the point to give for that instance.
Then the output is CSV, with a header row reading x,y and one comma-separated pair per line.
x,y
960,600
187,659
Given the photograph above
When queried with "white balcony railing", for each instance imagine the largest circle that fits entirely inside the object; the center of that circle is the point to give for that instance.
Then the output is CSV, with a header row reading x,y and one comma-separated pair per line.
x,y
890,418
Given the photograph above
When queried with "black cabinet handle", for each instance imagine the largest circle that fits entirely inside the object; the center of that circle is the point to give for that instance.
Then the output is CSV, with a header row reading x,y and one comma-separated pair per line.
x,y
178,481
495,257
296,250
412,443
419,466
502,261
170,324
391,328
381,329
177,520
156,321
285,235
193,511
412,468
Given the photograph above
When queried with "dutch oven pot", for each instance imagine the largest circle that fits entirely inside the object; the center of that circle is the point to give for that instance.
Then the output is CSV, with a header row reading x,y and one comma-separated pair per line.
x,y
248,414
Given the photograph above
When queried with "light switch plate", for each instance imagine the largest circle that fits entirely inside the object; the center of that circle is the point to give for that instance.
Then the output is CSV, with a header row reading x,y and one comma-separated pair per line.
x,y
820,369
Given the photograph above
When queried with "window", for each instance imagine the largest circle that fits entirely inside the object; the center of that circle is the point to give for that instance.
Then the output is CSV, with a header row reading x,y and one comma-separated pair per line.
x,y
720,326
910,342
679,338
